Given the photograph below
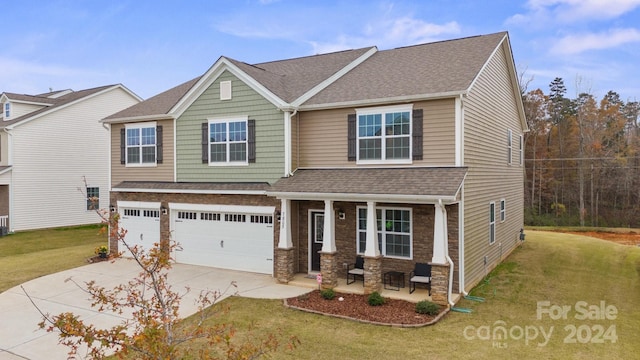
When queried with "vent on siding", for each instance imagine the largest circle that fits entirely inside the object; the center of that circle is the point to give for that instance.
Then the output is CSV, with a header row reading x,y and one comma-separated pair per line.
x,y
225,90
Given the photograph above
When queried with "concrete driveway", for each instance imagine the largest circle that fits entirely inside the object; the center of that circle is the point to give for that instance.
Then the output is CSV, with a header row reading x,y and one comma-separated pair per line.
x,y
20,337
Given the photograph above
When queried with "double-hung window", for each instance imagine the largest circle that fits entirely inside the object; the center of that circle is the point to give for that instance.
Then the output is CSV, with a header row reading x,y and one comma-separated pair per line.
x,y
384,134
7,110
503,210
93,198
141,144
228,141
509,146
394,232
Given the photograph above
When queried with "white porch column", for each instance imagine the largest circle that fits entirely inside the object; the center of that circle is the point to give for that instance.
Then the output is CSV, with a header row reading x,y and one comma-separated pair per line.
x,y
372,249
285,225
440,237
328,233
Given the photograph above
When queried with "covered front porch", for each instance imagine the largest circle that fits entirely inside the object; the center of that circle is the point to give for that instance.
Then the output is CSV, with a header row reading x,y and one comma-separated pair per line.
x,y
392,228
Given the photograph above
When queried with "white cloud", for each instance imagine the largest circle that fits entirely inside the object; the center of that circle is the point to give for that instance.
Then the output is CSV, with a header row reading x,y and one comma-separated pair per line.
x,y
575,44
401,31
569,11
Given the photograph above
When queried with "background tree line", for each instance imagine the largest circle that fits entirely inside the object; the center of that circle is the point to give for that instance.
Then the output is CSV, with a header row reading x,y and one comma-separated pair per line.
x,y
582,159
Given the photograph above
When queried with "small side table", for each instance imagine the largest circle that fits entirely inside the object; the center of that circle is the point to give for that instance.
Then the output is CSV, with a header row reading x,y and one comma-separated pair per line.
x,y
393,280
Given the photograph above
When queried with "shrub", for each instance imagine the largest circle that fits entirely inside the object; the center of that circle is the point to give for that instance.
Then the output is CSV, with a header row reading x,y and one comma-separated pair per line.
x,y
375,299
427,307
327,294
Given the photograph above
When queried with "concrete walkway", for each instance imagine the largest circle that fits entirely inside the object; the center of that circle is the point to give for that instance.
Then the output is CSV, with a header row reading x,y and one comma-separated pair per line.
x,y
21,339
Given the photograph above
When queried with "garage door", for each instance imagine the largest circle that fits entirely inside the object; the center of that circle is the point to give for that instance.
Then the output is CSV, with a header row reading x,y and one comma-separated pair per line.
x,y
142,222
229,237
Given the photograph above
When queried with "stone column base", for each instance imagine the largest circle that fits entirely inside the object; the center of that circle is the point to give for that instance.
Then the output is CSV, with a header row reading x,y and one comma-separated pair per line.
x,y
284,265
372,274
329,270
439,283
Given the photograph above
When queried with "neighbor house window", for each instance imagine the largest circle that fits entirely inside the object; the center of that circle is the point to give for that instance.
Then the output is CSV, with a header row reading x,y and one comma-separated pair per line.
x,y
509,146
228,141
394,232
384,134
503,210
7,110
141,144
93,198
492,222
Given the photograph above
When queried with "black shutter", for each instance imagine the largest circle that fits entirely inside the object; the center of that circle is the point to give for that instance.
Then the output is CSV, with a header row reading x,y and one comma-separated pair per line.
x,y
159,144
205,143
123,149
351,137
417,134
251,140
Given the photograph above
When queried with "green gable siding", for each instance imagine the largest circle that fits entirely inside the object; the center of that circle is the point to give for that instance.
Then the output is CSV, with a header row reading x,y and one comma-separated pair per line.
x,y
269,165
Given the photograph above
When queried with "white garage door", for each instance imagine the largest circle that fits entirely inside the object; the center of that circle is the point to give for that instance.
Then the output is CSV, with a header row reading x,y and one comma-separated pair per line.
x,y
229,237
142,222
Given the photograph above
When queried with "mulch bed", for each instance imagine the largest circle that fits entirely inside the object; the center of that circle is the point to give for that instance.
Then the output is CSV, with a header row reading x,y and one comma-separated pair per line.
x,y
355,307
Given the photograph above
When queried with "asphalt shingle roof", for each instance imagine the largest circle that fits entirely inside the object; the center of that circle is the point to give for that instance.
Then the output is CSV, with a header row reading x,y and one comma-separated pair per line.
x,y
418,181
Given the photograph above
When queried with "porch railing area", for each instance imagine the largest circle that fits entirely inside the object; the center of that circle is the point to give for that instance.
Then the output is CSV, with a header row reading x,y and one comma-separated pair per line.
x,y
3,220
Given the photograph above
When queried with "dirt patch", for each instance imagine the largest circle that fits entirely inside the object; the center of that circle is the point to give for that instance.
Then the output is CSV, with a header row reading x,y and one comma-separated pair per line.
x,y
354,306
629,238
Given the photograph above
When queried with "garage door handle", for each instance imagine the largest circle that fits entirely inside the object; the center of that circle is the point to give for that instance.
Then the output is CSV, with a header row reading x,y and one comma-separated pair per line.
x,y
221,243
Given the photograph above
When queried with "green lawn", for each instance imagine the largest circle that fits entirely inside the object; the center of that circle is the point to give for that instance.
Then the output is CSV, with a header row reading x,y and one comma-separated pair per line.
x,y
30,254
559,268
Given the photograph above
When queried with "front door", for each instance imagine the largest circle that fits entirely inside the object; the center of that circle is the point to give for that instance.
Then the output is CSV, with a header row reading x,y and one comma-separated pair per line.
x,y
317,231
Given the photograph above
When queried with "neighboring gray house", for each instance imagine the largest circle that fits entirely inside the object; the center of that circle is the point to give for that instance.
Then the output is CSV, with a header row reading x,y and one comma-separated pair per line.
x,y
48,143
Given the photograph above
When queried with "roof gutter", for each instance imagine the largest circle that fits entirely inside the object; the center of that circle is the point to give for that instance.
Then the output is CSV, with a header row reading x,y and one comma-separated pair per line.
x,y
412,199
138,118
384,101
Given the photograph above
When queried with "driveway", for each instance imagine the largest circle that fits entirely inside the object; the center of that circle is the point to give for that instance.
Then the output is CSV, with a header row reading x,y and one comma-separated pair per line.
x,y
20,337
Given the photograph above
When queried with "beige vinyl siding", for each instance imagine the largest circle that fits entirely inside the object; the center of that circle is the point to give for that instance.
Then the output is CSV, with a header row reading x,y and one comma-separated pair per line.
x,y
160,172
322,138
490,110
52,154
269,165
19,109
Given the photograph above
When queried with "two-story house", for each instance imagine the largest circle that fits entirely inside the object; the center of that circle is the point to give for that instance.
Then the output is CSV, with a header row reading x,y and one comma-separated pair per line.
x,y
49,145
404,156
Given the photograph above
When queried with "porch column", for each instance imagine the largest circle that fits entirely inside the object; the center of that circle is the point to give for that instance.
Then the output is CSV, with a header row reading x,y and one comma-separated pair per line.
x,y
285,225
372,249
440,237
328,233
372,257
284,254
328,262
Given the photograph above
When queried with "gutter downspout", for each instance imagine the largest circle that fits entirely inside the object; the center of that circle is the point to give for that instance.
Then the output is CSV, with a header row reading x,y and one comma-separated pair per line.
x,y
108,128
460,162
288,141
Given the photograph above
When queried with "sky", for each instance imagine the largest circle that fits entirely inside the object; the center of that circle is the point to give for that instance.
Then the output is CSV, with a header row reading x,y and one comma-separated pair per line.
x,y
151,46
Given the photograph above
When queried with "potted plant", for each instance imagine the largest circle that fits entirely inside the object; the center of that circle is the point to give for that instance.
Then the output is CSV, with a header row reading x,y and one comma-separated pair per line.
x,y
102,251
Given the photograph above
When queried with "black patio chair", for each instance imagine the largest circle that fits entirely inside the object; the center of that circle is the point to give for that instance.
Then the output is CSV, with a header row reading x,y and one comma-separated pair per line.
x,y
421,274
355,270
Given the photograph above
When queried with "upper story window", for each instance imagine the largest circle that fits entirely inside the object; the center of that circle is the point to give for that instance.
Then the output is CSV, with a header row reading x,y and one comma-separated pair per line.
x,y
141,144
492,222
7,110
228,141
384,134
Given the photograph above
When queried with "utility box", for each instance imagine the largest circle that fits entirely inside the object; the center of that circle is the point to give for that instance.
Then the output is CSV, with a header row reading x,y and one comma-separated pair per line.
x,y
3,231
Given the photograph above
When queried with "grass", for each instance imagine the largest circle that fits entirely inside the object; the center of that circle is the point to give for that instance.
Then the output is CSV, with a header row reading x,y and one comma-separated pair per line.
x,y
30,254
562,269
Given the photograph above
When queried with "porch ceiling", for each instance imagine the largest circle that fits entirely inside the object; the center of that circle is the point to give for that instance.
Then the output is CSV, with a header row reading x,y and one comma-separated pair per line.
x,y
421,184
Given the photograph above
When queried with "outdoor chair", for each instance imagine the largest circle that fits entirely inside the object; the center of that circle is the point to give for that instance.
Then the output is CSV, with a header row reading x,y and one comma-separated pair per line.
x,y
355,270
421,274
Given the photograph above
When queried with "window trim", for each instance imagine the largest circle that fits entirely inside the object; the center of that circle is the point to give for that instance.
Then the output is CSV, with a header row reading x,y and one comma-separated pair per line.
x,y
492,222
503,210
141,126
227,120
521,150
382,240
382,110
6,110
